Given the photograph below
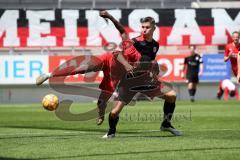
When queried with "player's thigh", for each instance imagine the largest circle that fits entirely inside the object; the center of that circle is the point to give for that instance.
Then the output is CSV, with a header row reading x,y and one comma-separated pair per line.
x,y
95,63
164,90
194,84
125,94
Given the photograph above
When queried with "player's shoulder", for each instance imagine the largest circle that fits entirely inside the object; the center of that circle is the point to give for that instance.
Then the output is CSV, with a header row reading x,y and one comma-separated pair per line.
x,y
229,45
197,57
155,42
138,38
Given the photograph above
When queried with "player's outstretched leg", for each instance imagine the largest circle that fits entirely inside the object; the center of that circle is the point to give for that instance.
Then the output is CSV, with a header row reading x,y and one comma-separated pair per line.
x,y
92,66
42,78
63,72
168,109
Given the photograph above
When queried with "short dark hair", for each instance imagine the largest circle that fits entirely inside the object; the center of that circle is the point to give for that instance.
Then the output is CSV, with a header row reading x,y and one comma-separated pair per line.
x,y
194,46
148,19
236,32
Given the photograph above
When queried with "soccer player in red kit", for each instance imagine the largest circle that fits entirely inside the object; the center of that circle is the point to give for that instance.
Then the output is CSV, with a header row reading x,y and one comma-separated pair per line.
x,y
114,65
227,87
231,53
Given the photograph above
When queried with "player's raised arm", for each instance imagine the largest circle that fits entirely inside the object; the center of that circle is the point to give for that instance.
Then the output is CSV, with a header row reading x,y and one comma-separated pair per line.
x,y
117,24
123,61
124,35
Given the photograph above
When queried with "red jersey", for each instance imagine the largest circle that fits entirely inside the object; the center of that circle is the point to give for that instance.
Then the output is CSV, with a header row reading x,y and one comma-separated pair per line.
x,y
232,51
113,70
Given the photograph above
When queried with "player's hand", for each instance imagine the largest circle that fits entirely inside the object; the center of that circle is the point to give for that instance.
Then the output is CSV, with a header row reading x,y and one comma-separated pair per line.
x,y
200,73
129,68
104,14
136,64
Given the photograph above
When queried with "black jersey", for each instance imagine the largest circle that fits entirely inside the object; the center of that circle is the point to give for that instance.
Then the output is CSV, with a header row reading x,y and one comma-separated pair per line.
x,y
193,62
148,50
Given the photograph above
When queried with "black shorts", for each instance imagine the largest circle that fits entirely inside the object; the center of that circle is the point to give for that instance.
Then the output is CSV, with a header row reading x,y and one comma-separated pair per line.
x,y
143,83
192,79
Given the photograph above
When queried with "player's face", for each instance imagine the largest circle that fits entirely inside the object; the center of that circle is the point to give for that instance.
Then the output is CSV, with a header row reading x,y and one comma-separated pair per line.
x,y
235,38
147,29
192,49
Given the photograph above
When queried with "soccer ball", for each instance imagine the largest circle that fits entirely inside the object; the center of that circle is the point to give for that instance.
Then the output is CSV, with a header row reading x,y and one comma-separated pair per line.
x,y
50,102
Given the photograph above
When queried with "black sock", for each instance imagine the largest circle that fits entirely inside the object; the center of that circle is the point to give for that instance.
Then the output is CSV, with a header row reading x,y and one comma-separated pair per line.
x,y
168,110
191,92
194,92
112,124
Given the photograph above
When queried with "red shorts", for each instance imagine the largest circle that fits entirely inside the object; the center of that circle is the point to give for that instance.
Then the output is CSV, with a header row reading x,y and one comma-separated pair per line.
x,y
106,83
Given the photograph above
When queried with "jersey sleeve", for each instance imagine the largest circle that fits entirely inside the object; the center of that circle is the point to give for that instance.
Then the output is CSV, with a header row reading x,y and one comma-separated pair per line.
x,y
126,44
157,45
129,51
157,48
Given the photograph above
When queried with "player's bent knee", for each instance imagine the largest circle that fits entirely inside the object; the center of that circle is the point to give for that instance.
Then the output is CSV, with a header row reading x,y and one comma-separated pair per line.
x,y
114,115
170,96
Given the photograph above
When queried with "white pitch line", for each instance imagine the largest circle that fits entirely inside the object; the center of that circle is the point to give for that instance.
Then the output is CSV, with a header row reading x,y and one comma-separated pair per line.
x,y
86,132
43,133
190,130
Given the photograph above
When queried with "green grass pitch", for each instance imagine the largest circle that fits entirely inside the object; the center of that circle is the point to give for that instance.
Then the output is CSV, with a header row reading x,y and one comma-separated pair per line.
x,y
211,131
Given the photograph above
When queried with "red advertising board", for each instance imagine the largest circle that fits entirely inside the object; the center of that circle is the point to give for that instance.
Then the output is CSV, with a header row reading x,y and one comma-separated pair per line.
x,y
174,64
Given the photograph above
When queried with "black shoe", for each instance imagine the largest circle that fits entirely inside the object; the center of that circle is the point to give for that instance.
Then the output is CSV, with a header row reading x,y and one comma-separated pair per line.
x,y
169,128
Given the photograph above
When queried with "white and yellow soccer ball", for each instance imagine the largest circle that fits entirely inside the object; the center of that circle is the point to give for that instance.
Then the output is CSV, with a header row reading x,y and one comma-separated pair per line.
x,y
50,102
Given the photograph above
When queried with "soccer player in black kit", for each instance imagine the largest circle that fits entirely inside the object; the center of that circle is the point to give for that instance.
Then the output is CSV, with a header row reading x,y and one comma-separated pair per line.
x,y
194,66
147,47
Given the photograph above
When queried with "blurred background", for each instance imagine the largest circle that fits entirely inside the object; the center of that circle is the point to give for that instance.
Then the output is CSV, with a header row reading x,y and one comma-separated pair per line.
x,y
38,36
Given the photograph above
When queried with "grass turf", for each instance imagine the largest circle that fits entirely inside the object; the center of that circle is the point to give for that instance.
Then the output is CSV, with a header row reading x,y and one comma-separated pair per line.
x,y
211,131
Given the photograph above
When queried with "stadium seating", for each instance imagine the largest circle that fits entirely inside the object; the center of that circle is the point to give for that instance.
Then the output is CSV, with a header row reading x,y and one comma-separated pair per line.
x,y
27,4
79,4
216,4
